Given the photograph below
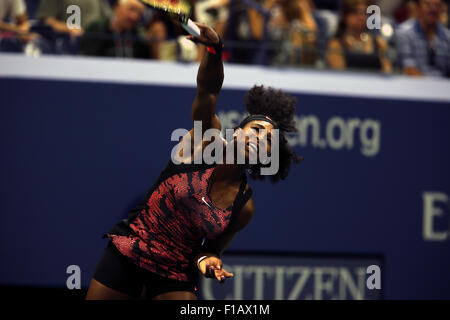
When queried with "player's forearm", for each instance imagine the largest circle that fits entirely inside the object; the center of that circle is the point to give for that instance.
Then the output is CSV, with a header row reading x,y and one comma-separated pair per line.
x,y
218,245
210,73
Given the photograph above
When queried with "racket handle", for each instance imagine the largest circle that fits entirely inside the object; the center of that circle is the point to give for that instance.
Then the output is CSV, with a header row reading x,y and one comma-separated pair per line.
x,y
192,28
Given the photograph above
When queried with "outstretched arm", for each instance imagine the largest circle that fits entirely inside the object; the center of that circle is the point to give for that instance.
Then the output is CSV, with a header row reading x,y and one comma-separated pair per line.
x,y
211,267
209,80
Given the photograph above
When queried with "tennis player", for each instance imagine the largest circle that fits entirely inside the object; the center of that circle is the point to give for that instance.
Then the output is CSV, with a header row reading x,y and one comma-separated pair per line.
x,y
193,211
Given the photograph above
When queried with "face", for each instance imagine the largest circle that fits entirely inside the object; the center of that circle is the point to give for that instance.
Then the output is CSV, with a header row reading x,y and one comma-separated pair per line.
x,y
356,19
128,13
430,10
258,136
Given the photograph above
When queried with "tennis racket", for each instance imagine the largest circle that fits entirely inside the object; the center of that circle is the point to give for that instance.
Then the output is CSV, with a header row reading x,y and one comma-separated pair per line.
x,y
178,9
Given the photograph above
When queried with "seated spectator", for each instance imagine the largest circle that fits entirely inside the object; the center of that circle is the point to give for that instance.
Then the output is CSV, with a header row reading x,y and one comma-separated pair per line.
x,y
116,36
423,46
14,26
246,30
301,33
158,31
163,32
353,46
54,13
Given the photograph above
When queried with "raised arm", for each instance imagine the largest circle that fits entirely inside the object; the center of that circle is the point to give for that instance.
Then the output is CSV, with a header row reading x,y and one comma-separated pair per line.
x,y
209,80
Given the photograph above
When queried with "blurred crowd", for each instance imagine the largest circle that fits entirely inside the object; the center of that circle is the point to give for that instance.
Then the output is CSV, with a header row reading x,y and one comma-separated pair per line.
x,y
412,37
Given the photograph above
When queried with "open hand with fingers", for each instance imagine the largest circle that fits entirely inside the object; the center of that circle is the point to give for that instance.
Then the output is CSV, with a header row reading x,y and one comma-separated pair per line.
x,y
208,36
211,267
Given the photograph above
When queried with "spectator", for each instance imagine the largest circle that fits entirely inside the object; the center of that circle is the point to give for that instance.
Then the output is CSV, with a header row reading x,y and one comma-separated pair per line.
x,y
14,34
353,46
164,34
54,13
301,33
116,36
159,29
246,30
423,46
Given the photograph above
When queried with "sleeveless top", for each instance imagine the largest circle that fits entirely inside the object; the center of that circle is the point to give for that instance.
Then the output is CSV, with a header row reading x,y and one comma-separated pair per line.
x,y
361,60
165,231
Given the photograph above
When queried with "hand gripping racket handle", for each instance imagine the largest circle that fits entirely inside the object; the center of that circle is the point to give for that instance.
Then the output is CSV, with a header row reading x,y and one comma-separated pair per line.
x,y
192,28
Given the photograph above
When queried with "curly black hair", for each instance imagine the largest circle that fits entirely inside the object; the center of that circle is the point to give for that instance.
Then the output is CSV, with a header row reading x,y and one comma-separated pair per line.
x,y
280,107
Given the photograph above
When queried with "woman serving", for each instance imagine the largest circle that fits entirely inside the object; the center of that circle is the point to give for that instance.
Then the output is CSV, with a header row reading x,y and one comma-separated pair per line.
x,y
193,211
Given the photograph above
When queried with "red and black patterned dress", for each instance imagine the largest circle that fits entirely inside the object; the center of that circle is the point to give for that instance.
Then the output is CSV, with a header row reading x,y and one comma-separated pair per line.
x,y
165,231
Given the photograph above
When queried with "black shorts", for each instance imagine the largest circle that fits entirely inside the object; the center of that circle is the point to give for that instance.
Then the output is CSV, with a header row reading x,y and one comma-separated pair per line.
x,y
118,272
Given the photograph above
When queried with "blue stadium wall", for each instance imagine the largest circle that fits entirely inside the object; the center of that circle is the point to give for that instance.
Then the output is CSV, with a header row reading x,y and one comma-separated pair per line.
x,y
83,139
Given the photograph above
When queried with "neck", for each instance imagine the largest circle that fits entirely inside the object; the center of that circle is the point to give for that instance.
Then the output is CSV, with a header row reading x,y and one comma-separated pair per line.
x,y
230,172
